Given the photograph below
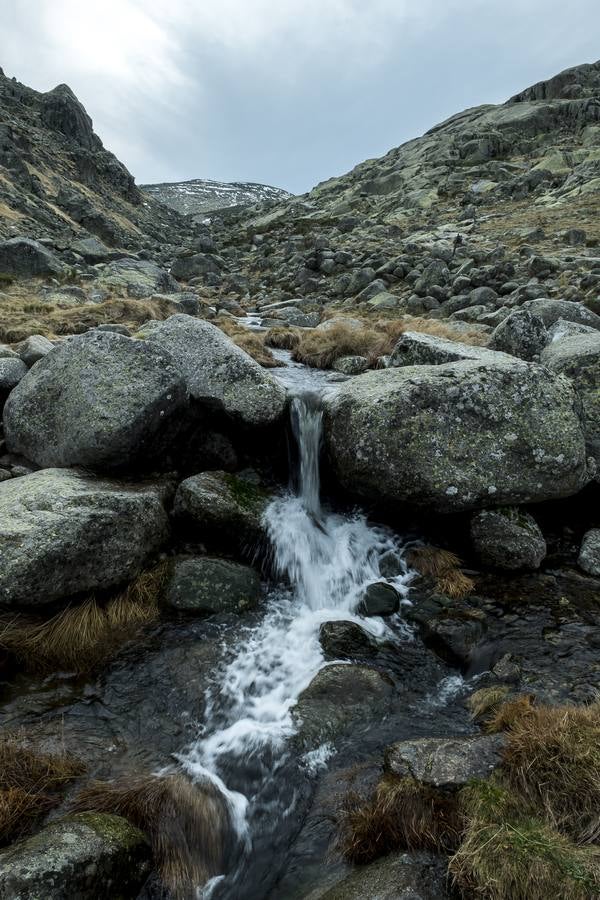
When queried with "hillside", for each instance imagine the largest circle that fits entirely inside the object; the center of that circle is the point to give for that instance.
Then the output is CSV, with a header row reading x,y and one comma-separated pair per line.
x,y
203,196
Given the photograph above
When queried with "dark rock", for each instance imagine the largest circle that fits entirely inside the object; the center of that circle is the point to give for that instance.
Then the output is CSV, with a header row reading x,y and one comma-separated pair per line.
x,y
346,640
446,763
399,876
208,585
589,554
521,334
507,539
26,258
380,599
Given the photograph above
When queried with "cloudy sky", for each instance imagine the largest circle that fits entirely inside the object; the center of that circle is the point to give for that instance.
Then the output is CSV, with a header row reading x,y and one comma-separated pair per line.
x,y
285,92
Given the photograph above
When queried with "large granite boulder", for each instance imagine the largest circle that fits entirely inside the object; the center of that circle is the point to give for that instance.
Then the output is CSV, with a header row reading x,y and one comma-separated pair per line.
x,y
550,311
458,436
578,357
99,400
87,856
216,371
136,278
26,258
507,538
417,349
65,532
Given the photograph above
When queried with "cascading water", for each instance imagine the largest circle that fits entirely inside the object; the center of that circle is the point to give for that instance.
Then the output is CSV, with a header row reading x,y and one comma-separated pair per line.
x,y
325,561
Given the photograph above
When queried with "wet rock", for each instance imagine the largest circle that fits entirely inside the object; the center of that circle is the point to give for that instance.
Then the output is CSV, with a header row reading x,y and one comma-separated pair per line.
x,y
521,334
65,532
417,349
589,554
578,357
27,259
12,371
88,856
346,640
339,698
390,564
216,371
207,585
33,348
508,539
399,876
351,365
99,400
223,506
458,436
380,599
453,635
445,763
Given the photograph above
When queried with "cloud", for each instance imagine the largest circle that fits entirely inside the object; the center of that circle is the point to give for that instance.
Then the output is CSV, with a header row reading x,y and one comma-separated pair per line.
x,y
284,91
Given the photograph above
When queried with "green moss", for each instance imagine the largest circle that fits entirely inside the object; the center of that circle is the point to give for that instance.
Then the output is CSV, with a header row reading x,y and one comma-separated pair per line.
x,y
110,827
247,495
6,279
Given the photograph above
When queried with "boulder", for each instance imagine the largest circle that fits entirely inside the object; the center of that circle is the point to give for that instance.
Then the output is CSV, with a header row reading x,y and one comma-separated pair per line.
x,y
33,348
417,349
549,311
87,856
195,265
589,554
445,763
216,371
398,876
223,506
346,640
208,585
380,599
63,533
507,539
12,371
351,365
578,357
458,436
99,400
136,278
521,334
94,251
339,698
563,328
27,259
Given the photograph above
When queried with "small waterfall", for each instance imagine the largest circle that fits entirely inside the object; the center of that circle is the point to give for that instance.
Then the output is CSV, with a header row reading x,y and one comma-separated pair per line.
x,y
325,561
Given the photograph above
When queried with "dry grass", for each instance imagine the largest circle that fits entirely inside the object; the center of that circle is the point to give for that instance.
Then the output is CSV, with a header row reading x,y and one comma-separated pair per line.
x,y
282,337
32,784
505,716
188,825
251,342
81,637
320,348
444,567
402,814
484,703
553,761
507,853
24,316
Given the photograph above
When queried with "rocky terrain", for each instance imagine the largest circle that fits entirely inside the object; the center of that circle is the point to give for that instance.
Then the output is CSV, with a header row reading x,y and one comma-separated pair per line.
x,y
201,195
299,531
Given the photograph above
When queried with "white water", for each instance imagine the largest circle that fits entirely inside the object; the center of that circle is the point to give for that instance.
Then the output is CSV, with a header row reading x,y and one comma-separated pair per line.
x,y
325,561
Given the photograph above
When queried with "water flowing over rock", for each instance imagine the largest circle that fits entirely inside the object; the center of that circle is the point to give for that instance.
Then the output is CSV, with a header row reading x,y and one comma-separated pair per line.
x,y
99,400
66,532
458,436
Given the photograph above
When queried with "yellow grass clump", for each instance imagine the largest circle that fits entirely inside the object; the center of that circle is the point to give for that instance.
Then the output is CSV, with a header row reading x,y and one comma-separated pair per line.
x,y
252,342
444,567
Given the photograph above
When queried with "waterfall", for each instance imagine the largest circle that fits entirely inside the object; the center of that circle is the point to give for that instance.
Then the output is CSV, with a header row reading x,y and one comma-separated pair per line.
x,y
324,560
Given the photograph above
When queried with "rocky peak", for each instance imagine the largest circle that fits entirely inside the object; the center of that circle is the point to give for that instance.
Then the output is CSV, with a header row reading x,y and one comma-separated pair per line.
x,y
576,83
61,111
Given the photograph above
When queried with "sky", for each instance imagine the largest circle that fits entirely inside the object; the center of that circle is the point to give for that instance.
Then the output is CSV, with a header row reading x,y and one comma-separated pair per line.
x,y
284,92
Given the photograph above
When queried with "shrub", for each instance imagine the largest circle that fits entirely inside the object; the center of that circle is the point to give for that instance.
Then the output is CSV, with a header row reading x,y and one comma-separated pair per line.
x,y
188,825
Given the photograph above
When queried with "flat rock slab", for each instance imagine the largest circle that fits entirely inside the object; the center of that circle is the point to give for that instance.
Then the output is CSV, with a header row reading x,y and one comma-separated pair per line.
x,y
445,762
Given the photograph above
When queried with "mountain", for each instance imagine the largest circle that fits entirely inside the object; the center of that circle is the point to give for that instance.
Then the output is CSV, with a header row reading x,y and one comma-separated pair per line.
x,y
57,180
201,195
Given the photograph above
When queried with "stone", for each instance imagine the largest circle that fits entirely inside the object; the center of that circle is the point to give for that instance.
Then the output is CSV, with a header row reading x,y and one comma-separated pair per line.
x,y
384,300
578,358
589,554
209,585
445,763
94,251
435,274
340,697
86,856
26,258
549,311
12,371
33,348
507,538
225,506
346,640
521,334
194,265
351,365
390,564
98,400
65,533
562,329
417,349
136,278
216,371
458,436
397,876
380,599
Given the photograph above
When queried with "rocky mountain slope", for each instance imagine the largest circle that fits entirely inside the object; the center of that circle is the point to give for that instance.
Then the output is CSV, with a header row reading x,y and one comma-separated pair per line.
x,y
58,181
202,195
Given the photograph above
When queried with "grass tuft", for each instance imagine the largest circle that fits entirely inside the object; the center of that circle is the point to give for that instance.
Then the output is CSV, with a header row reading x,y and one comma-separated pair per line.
x,y
188,825
444,567
484,703
282,338
251,342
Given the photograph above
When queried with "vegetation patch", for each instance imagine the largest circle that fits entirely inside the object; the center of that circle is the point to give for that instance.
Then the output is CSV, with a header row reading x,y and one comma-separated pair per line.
x,y
444,567
251,342
31,784
81,637
187,825
282,337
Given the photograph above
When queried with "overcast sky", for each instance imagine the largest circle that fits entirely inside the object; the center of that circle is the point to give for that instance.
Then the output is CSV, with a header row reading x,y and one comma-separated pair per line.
x,y
285,92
